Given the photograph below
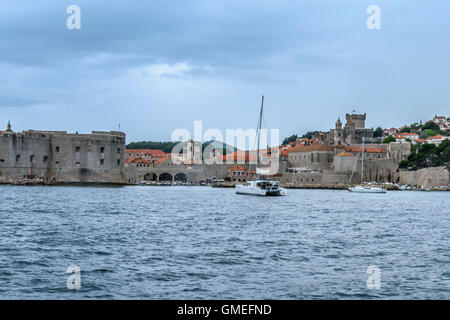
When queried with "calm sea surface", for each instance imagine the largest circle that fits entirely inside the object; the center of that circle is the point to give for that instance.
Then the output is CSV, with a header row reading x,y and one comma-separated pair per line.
x,y
206,243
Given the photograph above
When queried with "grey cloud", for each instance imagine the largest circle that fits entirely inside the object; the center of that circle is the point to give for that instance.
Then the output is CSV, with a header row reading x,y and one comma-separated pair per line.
x,y
313,59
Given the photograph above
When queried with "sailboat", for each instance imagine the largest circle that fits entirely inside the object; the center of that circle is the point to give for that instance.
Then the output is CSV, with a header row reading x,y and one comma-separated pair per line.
x,y
261,187
364,188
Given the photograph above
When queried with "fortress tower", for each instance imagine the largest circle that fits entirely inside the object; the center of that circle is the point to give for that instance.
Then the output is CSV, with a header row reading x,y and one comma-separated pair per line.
x,y
352,133
357,121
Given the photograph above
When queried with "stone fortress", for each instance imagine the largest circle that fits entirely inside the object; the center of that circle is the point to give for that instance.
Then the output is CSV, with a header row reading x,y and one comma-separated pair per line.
x,y
61,157
58,157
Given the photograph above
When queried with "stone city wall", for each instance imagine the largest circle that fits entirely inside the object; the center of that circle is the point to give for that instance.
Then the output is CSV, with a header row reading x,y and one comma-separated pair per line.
x,y
428,177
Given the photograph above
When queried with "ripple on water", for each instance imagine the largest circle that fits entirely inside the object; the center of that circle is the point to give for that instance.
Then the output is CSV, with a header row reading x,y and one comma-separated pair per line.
x,y
194,243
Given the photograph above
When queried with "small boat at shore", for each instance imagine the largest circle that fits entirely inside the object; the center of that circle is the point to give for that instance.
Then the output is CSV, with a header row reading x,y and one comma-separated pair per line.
x,y
366,189
261,188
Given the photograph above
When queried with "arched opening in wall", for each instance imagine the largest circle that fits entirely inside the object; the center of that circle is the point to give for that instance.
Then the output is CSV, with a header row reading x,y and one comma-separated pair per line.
x,y
148,176
154,177
165,177
181,177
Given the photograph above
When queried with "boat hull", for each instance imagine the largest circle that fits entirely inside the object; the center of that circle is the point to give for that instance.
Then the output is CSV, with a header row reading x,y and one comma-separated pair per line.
x,y
255,191
359,189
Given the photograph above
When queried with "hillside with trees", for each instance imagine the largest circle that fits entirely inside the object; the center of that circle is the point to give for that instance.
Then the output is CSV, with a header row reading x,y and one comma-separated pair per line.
x,y
427,155
168,146
429,129
152,145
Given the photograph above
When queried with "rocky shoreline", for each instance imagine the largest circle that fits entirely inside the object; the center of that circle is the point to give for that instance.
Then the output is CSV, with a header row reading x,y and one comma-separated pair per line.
x,y
232,184
389,187
48,183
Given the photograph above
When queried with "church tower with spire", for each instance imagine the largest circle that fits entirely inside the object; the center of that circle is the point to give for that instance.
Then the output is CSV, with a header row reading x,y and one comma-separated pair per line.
x,y
8,127
337,139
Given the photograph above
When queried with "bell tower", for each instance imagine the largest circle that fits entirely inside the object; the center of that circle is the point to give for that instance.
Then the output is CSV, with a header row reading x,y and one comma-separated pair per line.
x,y
337,139
8,127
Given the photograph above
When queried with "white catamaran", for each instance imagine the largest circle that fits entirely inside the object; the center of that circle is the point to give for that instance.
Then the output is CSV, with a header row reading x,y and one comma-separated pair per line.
x,y
364,188
261,187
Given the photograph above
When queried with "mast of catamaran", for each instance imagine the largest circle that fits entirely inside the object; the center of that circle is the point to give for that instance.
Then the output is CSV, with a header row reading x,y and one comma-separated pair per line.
x,y
362,162
258,134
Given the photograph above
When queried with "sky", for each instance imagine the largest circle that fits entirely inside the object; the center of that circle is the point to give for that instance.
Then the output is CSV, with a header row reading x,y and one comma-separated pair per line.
x,y
156,66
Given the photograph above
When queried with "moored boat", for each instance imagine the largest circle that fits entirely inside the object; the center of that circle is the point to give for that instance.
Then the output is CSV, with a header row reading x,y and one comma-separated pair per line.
x,y
364,188
261,188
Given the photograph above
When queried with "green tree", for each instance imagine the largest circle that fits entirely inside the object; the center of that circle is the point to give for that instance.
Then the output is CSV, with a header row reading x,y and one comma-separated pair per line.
x,y
403,164
431,125
378,132
310,134
290,139
428,133
406,129
389,139
428,155
152,145
416,127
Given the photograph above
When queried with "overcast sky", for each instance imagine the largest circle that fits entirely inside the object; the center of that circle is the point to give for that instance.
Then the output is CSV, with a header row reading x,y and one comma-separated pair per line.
x,y
154,66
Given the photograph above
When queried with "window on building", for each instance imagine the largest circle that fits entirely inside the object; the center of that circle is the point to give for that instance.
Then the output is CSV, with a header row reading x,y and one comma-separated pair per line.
x,y
118,150
118,162
102,162
57,148
77,148
77,163
17,157
57,162
45,159
102,150
31,158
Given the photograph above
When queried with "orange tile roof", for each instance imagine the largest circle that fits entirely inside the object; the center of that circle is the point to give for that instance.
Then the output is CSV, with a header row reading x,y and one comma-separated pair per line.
x,y
161,160
237,168
314,147
138,160
405,134
437,137
150,152
239,156
369,150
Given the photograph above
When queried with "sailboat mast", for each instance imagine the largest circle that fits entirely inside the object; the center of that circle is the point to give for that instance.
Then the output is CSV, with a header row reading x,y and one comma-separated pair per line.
x,y
362,162
258,132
